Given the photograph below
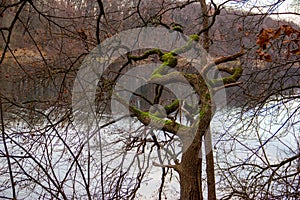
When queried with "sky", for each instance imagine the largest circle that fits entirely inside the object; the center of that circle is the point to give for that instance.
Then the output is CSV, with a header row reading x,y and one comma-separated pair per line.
x,y
284,7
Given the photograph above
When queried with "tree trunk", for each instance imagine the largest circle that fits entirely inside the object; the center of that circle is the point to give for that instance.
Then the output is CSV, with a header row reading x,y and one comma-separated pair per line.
x,y
210,170
206,39
190,170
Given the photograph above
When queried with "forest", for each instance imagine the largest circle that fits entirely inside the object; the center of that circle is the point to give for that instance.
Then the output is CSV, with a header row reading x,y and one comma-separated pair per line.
x,y
140,99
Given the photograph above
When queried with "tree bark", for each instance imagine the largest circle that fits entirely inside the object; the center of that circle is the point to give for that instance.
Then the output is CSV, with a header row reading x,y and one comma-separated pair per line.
x,y
206,40
190,170
210,171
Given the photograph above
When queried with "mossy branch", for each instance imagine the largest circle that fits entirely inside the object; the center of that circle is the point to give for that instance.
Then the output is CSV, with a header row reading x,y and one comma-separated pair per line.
x,y
169,58
236,73
145,54
193,39
172,107
160,71
148,118
221,60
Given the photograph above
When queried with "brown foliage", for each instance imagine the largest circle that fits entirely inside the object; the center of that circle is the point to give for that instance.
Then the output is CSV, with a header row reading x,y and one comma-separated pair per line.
x,y
266,37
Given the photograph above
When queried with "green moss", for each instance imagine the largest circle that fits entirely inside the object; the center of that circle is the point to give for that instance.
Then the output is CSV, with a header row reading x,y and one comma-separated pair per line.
x,y
160,71
190,76
172,107
169,59
146,54
195,37
177,27
188,46
237,73
155,51
234,77
160,121
207,96
169,122
137,111
205,109
154,76
202,114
